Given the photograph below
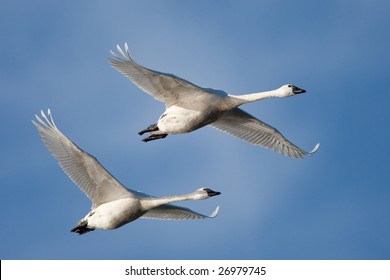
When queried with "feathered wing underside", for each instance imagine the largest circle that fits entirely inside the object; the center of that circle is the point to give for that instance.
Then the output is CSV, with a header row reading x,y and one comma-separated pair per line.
x,y
173,212
240,124
82,168
164,87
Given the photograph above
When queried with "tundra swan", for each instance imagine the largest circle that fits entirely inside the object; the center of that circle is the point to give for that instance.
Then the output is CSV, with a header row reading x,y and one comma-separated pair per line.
x,y
112,204
189,107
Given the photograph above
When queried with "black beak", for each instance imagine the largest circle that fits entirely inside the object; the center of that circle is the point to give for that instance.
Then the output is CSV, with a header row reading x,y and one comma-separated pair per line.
x,y
212,193
297,90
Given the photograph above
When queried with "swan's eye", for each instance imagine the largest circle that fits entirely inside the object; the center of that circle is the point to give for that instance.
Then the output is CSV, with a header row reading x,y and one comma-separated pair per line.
x,y
289,85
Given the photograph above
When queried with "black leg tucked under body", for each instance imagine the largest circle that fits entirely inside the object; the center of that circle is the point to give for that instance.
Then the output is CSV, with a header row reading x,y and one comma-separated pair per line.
x,y
150,128
82,228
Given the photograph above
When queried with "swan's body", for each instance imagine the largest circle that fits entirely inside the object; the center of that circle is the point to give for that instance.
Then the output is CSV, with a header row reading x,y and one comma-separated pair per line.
x,y
189,107
112,204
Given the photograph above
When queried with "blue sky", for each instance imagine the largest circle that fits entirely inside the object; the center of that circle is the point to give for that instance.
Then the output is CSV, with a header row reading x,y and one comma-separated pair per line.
x,y
333,205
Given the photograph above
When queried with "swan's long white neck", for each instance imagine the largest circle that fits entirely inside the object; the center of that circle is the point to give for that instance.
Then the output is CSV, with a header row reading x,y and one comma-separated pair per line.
x,y
152,202
251,97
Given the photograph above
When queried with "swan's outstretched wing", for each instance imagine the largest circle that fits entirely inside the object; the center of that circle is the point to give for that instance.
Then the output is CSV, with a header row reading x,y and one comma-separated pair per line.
x,y
173,212
238,123
84,170
162,86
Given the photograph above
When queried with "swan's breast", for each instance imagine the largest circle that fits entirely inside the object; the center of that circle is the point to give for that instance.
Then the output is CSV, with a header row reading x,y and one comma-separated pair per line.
x,y
176,119
116,213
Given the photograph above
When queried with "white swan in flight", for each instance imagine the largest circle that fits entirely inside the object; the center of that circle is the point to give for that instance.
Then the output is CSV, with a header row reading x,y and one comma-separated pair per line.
x,y
112,204
189,107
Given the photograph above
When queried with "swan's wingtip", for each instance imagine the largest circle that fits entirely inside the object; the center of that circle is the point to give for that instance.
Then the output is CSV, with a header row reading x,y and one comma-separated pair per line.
x,y
215,213
314,149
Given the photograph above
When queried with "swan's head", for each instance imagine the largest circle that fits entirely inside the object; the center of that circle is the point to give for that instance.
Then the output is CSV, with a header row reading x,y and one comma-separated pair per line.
x,y
204,193
289,90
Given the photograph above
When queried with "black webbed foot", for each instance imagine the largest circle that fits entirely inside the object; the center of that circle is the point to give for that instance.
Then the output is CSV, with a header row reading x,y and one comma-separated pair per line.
x,y
154,137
